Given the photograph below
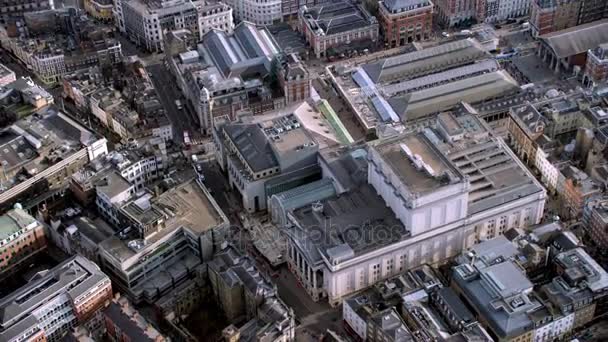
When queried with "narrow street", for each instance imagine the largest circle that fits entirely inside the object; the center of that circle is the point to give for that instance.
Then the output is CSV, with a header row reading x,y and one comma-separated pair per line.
x,y
168,92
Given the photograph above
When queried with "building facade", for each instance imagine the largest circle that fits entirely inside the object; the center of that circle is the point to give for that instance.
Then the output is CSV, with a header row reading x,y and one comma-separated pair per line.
x,y
9,8
452,12
404,22
261,13
319,25
189,233
595,219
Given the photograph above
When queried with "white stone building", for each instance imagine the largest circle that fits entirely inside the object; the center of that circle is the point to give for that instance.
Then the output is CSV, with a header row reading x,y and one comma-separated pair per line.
x,y
429,195
259,12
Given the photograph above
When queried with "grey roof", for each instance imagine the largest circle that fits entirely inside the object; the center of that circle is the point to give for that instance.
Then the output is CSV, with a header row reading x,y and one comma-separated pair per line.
x,y
396,6
126,325
392,326
73,277
348,169
577,39
96,231
443,97
426,61
306,194
248,48
253,145
500,294
238,270
337,16
456,306
112,184
595,276
499,247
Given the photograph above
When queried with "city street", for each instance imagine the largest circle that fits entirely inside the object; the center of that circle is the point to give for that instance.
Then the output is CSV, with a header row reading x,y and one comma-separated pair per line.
x,y
168,92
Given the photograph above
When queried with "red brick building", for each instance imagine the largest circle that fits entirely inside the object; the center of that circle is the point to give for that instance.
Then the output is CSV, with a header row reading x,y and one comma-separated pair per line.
x,y
405,21
21,236
596,69
124,323
295,80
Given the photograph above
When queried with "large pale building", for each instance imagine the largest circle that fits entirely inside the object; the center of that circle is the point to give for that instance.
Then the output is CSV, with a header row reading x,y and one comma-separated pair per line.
x,y
404,22
429,195
262,13
165,240
144,21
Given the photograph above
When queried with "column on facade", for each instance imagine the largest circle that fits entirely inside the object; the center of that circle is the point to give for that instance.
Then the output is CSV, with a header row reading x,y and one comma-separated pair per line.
x,y
308,275
557,63
314,279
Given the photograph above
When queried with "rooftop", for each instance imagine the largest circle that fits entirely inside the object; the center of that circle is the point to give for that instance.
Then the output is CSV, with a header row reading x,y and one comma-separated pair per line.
x,y
577,39
248,48
38,142
397,6
596,278
4,70
335,17
74,277
342,227
187,206
112,184
238,270
464,147
439,98
529,118
404,156
269,143
15,221
501,294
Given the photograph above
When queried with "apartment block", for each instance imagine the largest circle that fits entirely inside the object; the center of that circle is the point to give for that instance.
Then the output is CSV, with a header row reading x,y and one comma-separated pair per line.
x,y
429,199
54,302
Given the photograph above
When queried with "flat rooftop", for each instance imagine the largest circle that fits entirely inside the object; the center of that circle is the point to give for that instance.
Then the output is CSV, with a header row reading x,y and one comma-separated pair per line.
x,y
185,206
265,144
495,174
336,17
346,226
417,180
